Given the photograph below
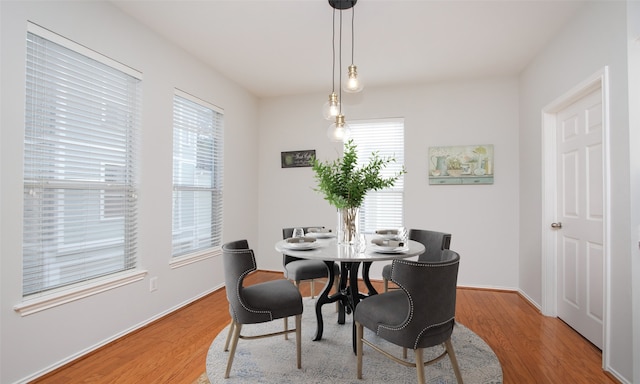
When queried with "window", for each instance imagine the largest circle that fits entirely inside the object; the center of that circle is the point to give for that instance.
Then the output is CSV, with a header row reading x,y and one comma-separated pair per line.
x,y
82,117
381,209
197,175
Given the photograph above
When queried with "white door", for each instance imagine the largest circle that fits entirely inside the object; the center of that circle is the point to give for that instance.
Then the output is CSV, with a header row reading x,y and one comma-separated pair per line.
x,y
579,225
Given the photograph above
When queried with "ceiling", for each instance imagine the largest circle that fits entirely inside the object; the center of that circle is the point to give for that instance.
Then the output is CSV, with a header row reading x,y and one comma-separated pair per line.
x,y
283,47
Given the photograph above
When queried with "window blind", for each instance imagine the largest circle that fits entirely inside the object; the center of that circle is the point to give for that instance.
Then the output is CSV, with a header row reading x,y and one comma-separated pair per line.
x,y
384,208
82,118
197,175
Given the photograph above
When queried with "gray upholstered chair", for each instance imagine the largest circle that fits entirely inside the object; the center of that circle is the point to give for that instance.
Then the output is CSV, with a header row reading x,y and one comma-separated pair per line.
x,y
258,303
434,242
421,314
297,269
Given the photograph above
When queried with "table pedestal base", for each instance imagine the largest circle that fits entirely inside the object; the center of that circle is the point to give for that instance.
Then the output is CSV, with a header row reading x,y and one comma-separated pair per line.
x,y
348,294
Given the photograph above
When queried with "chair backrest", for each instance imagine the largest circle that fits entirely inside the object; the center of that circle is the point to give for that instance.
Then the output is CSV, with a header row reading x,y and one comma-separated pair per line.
x,y
430,287
434,242
238,262
287,233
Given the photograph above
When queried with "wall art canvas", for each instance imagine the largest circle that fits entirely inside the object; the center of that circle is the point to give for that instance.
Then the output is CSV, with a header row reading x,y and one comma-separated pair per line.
x,y
464,164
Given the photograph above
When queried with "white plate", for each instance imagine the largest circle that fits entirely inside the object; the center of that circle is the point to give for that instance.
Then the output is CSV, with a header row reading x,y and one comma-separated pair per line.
x,y
321,235
379,249
301,246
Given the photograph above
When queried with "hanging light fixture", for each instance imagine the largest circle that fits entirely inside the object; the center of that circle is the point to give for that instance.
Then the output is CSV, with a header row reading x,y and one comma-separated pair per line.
x,y
339,130
353,84
331,108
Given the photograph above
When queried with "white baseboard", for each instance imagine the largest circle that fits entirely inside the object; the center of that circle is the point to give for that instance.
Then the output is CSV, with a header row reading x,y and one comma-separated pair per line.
x,y
115,337
530,300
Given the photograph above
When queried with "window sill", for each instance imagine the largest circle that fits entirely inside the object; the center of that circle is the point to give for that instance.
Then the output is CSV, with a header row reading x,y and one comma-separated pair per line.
x,y
64,296
195,257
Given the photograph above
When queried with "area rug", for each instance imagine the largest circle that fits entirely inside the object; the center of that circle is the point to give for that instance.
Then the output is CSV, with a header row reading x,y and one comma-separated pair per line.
x,y
331,360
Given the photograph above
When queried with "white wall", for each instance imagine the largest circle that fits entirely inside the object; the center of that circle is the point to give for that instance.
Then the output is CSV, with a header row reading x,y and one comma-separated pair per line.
x,y
483,219
633,44
595,38
33,344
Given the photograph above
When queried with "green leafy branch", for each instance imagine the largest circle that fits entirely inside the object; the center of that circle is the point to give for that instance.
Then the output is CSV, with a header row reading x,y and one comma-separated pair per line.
x,y
344,185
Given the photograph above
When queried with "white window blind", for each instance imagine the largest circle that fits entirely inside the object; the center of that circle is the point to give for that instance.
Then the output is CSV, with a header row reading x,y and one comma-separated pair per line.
x,y
384,208
82,118
197,175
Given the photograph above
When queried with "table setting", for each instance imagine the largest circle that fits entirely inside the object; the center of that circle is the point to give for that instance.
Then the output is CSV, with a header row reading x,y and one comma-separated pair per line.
x,y
301,243
384,241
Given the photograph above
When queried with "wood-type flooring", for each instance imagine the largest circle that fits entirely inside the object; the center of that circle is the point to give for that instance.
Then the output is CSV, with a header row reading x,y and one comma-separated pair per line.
x,y
531,348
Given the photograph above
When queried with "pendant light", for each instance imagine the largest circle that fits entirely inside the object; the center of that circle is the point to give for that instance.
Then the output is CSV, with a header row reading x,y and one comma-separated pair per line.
x,y
339,130
353,83
331,108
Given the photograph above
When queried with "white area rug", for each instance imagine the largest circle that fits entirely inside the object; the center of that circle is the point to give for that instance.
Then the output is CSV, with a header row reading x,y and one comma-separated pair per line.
x,y
331,360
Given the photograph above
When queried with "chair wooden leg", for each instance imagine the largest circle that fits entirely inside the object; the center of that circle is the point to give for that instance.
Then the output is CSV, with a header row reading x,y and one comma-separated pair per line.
x,y
359,334
313,288
226,343
419,366
234,344
404,353
286,328
454,360
299,340
385,283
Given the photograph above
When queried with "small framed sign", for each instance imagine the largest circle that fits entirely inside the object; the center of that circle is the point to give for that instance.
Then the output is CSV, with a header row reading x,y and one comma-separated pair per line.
x,y
294,159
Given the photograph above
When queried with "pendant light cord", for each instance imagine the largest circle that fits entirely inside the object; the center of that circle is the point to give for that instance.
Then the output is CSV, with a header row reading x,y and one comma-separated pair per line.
x,y
340,66
333,48
353,18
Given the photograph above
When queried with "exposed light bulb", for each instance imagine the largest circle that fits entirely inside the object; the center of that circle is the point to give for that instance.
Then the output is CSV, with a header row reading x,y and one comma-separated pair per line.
x,y
331,108
353,83
339,131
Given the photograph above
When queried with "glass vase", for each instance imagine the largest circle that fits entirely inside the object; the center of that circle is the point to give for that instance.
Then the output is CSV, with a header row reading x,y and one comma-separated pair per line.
x,y
348,226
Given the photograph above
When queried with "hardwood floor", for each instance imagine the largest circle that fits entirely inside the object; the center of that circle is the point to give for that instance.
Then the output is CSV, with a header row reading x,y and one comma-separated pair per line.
x,y
531,348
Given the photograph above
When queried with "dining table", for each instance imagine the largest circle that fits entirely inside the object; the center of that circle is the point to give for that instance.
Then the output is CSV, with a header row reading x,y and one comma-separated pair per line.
x,y
350,258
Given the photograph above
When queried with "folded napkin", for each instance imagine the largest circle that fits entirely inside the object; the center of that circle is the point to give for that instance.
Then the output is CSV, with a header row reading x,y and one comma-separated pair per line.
x,y
387,231
388,243
294,240
318,230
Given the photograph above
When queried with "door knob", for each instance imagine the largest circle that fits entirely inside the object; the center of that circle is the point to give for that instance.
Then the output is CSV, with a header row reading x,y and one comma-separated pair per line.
x,y
556,225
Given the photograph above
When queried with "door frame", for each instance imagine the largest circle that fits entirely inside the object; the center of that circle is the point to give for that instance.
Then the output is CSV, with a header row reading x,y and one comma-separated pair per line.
x,y
549,307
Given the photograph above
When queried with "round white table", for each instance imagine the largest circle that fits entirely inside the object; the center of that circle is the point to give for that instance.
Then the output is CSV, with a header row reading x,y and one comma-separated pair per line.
x,y
349,257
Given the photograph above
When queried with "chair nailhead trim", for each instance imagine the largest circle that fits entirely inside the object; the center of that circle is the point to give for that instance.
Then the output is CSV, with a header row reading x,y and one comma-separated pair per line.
x,y
411,307
244,274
